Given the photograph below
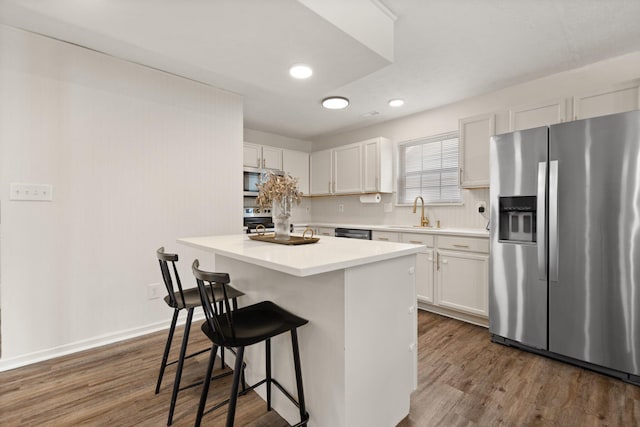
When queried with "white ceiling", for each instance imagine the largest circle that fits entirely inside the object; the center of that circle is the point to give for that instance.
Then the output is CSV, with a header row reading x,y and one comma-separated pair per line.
x,y
443,50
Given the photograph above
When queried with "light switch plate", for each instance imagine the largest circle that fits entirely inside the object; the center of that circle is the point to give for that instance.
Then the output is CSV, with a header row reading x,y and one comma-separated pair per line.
x,y
38,192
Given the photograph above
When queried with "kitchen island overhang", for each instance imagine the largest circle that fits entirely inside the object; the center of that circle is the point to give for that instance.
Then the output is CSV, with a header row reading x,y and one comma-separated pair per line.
x,y
359,353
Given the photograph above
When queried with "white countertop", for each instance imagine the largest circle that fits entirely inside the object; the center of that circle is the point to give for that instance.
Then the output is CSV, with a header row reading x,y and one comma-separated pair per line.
x,y
468,232
328,254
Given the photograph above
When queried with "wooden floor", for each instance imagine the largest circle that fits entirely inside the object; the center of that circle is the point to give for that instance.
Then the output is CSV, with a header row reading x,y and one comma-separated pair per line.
x,y
464,380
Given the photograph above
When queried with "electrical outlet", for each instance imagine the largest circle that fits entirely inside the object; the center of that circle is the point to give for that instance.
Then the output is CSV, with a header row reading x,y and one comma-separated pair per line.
x,y
481,206
39,192
154,291
340,207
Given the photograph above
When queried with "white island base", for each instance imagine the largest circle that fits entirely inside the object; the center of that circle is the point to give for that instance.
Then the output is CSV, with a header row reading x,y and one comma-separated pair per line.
x,y
358,351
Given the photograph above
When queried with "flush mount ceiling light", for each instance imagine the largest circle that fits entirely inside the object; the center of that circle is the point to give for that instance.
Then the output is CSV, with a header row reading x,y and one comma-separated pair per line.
x,y
396,102
300,71
335,102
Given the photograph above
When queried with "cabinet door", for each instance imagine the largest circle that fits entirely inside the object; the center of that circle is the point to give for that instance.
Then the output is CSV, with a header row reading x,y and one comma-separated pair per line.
x,y
614,100
347,169
462,281
296,164
371,166
271,157
321,172
251,155
474,150
536,115
424,276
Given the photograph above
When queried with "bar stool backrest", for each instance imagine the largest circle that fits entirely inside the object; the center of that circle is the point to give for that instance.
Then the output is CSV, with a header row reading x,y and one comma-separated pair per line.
x,y
165,259
213,312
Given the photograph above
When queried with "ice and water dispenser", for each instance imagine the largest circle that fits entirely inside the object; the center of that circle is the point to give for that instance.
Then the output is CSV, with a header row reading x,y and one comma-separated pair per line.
x,y
518,219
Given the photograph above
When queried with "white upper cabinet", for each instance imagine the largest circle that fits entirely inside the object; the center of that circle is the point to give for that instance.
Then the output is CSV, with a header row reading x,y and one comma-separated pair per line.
x,y
475,133
377,166
536,115
271,157
618,99
261,156
252,155
321,172
296,164
347,169
365,166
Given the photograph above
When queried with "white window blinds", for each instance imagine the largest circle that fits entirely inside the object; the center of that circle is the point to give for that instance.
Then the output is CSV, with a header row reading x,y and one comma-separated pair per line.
x,y
429,168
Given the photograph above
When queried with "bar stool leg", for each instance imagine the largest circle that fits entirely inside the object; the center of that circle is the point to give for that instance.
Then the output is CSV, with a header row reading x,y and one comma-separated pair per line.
x,y
234,389
296,361
167,348
205,385
267,344
183,351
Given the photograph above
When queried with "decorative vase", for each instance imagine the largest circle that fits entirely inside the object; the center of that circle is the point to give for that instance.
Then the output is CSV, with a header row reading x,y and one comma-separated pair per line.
x,y
281,211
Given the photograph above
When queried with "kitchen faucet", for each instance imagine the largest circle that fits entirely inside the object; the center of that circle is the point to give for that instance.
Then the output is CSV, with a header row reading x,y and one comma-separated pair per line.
x,y
424,221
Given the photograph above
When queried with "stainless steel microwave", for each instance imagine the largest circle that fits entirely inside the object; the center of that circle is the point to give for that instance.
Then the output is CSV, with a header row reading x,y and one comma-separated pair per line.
x,y
252,177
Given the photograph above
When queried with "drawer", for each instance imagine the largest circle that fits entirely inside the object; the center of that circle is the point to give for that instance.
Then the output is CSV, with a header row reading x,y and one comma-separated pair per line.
x,y
469,244
385,236
324,231
417,239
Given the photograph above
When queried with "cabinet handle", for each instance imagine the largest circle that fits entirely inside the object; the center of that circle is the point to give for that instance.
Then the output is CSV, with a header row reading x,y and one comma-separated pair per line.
x,y
264,163
438,261
460,177
329,186
417,242
461,246
383,238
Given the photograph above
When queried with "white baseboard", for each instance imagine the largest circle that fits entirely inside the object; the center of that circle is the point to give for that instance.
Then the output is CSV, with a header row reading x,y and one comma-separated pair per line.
x,y
50,353
465,317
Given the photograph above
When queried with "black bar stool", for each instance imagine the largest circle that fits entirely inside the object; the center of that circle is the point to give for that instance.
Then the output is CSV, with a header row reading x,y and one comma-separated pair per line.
x,y
240,328
181,299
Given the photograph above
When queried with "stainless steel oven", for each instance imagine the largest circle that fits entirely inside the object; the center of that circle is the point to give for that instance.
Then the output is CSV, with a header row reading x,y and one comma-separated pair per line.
x,y
257,216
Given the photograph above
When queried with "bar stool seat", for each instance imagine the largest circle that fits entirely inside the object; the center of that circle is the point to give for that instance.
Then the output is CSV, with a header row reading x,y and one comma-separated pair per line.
x,y
243,327
184,299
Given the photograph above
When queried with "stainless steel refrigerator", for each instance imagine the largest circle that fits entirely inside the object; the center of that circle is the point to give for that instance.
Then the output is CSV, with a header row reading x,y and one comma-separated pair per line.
x,y
565,242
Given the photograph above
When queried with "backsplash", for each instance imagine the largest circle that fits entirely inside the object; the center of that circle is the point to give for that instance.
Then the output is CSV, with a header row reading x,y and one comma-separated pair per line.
x,y
327,209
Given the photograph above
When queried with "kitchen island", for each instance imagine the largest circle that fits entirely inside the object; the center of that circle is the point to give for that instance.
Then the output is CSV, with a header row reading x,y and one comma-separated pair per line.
x,y
358,351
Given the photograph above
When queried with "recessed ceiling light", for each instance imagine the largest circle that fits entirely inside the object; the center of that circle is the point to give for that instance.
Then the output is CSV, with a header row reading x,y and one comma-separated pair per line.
x,y
396,102
335,102
300,71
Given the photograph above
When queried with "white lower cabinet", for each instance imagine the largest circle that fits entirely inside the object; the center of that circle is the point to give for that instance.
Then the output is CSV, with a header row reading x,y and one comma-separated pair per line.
x,y
452,275
325,231
424,265
385,236
462,281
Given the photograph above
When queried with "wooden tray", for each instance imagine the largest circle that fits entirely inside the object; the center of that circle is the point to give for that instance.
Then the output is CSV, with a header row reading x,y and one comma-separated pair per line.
x,y
293,240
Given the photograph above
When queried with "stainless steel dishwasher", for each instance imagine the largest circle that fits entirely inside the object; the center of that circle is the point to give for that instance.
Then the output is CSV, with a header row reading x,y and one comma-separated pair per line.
x,y
353,233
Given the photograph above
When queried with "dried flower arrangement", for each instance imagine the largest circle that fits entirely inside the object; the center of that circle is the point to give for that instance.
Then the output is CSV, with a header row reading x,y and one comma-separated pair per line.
x,y
278,186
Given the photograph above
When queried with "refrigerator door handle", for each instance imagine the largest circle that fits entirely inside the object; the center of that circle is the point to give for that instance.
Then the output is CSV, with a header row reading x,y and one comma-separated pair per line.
x,y
553,221
540,221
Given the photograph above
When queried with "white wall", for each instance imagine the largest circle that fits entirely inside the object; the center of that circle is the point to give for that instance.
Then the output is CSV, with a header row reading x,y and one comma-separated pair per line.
x,y
275,140
135,157
442,120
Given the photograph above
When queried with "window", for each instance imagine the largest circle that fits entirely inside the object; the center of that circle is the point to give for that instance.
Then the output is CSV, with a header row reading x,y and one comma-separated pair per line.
x,y
428,167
